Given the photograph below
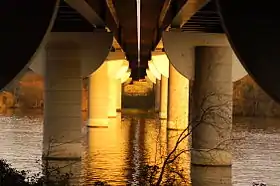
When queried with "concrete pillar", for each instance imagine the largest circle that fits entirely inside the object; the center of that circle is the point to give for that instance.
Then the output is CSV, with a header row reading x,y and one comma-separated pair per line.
x,y
119,96
84,95
177,118
63,89
98,98
163,97
157,95
211,175
212,99
178,100
116,70
112,93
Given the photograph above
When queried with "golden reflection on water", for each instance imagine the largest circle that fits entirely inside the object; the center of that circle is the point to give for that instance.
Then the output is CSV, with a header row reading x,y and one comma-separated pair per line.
x,y
117,153
105,156
182,162
155,142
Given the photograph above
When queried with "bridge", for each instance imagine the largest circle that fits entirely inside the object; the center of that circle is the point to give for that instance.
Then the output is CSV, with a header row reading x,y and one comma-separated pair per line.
x,y
178,44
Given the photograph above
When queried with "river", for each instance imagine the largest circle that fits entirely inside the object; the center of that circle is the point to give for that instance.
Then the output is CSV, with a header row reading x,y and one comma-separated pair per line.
x,y
115,154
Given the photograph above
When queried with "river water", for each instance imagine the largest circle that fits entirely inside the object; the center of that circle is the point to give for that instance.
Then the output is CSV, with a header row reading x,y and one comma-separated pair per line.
x,y
116,153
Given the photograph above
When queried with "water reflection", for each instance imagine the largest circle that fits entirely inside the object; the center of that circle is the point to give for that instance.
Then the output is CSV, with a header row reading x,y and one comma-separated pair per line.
x,y
136,152
105,152
211,176
177,144
116,154
21,139
155,142
257,154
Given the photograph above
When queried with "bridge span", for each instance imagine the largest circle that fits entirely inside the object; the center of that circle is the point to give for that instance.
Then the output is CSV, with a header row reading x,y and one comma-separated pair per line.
x,y
190,49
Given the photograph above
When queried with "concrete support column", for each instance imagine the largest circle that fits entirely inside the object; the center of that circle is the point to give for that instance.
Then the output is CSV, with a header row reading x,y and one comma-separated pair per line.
x,y
119,96
163,97
211,175
178,100
157,95
98,98
63,89
212,101
112,93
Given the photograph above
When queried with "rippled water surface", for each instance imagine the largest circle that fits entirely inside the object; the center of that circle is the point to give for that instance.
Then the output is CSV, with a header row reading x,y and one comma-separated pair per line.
x,y
116,153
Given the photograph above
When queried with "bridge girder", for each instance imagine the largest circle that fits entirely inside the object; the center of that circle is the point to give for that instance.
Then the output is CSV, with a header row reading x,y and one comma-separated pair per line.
x,y
253,31
186,12
24,25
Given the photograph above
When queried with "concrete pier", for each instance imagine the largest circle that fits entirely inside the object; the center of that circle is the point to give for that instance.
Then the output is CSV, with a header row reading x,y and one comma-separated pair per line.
x,y
157,95
163,97
178,100
212,101
63,89
119,95
112,93
98,98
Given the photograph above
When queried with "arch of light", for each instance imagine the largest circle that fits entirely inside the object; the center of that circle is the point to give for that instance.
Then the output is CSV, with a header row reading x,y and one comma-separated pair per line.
x,y
126,76
123,69
151,76
154,70
161,63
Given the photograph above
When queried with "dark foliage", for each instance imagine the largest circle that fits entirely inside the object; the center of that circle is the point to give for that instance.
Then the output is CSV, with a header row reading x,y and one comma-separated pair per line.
x,y
12,177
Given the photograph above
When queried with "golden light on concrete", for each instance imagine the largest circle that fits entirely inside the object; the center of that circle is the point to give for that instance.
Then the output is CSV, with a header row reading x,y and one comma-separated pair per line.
x,y
238,71
98,97
118,55
119,95
147,79
163,97
122,70
114,66
150,76
126,76
154,70
161,62
178,100
38,63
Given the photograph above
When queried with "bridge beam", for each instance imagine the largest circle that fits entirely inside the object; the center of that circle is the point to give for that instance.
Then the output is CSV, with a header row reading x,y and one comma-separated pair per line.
x,y
254,35
82,7
180,47
95,48
151,76
25,27
161,62
186,12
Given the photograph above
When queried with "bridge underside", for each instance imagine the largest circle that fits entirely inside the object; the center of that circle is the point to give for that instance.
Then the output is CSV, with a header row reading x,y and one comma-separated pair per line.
x,y
252,28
